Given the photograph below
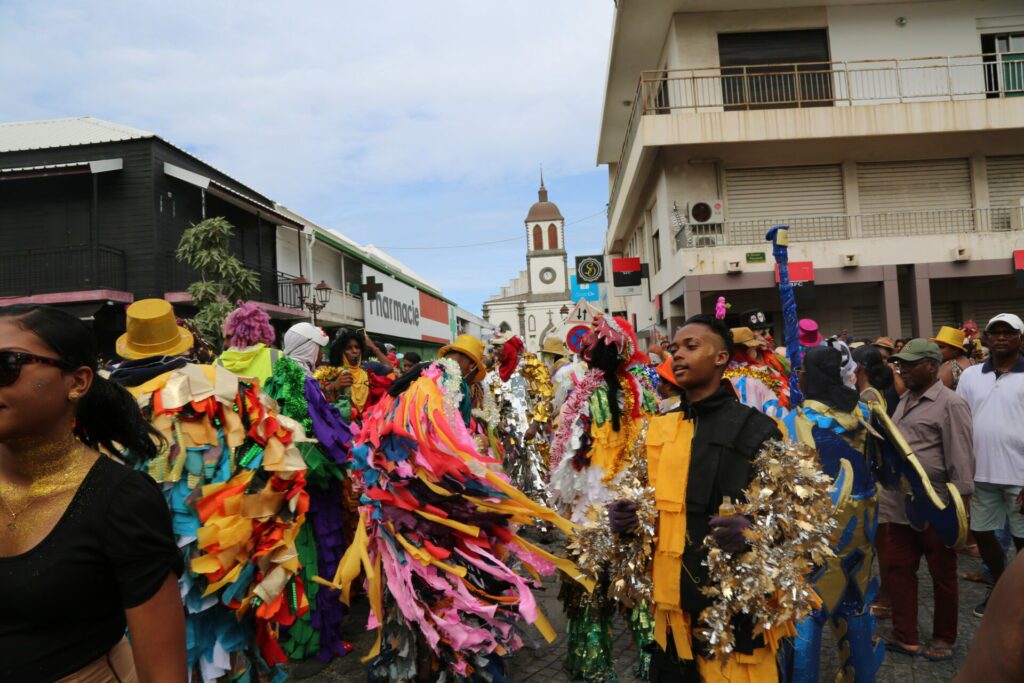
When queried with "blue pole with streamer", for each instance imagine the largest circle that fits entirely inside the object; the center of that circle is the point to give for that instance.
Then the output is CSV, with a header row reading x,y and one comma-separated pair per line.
x,y
779,237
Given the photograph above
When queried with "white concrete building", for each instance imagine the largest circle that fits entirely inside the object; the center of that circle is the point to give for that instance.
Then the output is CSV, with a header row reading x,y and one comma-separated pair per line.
x,y
888,135
530,305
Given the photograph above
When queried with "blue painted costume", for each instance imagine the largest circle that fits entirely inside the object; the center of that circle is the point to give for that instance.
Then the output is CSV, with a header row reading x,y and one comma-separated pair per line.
x,y
844,583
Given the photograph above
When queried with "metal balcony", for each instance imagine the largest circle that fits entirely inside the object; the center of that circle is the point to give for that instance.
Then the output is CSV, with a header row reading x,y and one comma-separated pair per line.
x,y
819,84
27,272
852,226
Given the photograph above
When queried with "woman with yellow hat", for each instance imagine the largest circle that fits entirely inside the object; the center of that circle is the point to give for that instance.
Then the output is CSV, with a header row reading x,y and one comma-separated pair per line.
x,y
955,357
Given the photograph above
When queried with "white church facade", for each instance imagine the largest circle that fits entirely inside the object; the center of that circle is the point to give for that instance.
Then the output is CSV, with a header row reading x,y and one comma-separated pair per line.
x,y
531,304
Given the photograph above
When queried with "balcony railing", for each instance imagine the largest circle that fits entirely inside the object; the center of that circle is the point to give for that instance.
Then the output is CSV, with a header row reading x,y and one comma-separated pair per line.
x,y
852,226
819,84
61,269
274,287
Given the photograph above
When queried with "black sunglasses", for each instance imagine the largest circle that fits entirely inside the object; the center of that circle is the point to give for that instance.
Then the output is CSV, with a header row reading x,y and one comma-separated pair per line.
x,y
11,363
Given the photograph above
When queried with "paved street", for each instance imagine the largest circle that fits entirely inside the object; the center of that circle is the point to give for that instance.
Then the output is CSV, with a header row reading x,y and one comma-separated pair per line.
x,y
543,663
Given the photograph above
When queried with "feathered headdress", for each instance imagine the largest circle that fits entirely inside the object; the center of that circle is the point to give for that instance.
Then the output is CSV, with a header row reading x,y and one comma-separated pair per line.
x,y
615,332
248,325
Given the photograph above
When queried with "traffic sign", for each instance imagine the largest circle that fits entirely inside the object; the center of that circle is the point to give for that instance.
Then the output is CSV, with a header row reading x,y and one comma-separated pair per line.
x,y
576,337
582,314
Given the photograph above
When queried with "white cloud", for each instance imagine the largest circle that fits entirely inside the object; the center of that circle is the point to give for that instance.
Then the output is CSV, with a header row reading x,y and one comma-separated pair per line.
x,y
321,104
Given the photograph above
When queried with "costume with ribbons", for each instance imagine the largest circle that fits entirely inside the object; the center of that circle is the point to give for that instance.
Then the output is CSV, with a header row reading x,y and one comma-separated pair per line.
x,y
234,480
696,457
322,540
844,583
588,458
437,539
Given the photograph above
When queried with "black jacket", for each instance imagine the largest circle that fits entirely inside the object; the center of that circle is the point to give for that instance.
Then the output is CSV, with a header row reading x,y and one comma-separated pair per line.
x,y
727,437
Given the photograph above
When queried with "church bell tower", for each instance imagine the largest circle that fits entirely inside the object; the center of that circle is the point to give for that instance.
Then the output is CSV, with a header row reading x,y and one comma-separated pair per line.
x,y
545,249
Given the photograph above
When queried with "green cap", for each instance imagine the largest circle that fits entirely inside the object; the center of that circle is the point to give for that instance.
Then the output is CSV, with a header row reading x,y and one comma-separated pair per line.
x,y
919,349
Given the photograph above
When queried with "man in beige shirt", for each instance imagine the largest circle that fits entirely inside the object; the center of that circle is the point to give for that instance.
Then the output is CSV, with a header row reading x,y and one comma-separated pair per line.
x,y
937,425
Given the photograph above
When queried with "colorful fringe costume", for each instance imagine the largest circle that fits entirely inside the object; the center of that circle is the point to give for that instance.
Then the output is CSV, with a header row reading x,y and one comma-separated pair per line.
x,y
234,479
588,459
437,538
322,540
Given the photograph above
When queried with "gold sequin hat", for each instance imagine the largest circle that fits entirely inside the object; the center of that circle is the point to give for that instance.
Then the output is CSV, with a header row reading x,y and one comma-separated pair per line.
x,y
152,331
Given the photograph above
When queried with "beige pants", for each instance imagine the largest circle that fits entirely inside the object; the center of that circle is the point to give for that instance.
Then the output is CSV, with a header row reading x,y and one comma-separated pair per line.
x,y
117,666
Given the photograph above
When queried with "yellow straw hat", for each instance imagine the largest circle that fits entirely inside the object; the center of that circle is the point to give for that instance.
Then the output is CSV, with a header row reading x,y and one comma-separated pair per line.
x,y
950,336
472,348
152,331
555,346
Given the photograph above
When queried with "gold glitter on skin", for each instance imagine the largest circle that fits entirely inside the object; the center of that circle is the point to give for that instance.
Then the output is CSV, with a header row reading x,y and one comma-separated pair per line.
x,y
54,471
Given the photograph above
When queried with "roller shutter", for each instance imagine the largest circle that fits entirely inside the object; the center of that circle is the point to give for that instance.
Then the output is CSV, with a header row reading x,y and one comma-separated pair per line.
x,y
757,198
867,322
945,313
906,324
1005,188
986,310
915,197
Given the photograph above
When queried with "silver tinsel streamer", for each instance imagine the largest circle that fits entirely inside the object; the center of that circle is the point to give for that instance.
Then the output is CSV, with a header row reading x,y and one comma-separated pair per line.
x,y
523,462
626,560
789,503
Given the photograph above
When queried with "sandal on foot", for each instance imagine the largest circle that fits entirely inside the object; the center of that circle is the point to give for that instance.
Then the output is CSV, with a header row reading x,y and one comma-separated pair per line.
x,y
892,646
939,652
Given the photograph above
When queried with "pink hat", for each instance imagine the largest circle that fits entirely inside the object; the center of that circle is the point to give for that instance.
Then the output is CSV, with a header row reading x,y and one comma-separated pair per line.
x,y
809,334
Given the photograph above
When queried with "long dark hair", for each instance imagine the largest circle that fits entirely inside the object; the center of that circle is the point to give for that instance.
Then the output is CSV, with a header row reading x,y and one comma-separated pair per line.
x,y
605,357
336,355
878,373
107,416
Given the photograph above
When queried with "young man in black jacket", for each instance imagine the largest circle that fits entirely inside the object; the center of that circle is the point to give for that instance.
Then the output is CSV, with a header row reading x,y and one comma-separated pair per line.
x,y
697,456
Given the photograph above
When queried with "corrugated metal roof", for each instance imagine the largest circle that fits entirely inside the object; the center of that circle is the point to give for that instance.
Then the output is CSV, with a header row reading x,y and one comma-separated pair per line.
x,y
84,130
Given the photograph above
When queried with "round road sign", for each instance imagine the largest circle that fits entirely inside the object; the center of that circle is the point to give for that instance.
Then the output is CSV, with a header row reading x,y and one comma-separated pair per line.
x,y
577,335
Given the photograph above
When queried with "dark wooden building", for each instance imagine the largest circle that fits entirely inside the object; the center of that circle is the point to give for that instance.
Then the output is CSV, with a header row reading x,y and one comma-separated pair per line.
x,y
91,213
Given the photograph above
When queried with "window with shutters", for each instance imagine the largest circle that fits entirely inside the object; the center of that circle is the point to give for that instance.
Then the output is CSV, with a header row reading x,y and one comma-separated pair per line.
x,y
925,197
656,251
538,239
552,237
775,69
1005,188
809,199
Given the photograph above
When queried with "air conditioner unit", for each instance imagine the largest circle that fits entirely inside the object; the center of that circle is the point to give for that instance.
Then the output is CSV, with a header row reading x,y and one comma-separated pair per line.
x,y
706,211
709,240
960,254
734,267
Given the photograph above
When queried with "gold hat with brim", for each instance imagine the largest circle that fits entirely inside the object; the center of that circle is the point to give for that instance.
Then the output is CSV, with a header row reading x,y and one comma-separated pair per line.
x,y
472,348
555,346
152,331
951,337
744,336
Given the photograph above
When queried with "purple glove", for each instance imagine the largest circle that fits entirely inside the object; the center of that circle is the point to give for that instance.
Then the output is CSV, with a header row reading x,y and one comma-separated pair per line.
x,y
728,532
622,517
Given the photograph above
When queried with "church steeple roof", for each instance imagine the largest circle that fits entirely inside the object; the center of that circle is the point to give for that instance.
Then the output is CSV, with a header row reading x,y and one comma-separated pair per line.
x,y
543,210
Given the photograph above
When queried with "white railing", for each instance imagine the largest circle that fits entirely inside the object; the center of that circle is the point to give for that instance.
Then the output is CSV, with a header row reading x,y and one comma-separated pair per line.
x,y
851,226
819,84
344,305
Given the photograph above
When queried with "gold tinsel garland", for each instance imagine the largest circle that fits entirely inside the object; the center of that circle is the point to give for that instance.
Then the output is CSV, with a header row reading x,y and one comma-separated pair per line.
x,y
761,372
541,390
791,509
625,559
629,427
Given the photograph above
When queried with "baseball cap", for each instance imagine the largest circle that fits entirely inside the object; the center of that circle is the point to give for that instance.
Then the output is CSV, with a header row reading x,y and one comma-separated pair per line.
x,y
1010,319
919,349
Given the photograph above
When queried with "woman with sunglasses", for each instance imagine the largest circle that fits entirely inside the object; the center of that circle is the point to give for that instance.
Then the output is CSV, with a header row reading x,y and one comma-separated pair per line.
x,y
86,548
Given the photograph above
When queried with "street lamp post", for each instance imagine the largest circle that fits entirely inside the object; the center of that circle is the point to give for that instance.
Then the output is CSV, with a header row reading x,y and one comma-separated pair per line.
x,y
316,303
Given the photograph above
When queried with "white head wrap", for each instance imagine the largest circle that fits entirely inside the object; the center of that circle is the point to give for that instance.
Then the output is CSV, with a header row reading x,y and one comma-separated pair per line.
x,y
848,371
302,343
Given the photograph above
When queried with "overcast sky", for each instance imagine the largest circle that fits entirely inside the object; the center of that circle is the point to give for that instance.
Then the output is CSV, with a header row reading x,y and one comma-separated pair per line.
x,y
396,123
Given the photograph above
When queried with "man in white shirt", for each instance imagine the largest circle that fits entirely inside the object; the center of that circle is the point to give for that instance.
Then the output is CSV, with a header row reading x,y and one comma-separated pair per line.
x,y
995,393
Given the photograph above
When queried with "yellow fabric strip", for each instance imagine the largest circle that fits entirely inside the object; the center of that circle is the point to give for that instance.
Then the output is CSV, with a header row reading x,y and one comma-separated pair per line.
x,y
472,531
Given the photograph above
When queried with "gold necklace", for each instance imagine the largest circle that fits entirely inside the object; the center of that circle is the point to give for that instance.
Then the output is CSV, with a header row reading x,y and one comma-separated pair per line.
x,y
43,487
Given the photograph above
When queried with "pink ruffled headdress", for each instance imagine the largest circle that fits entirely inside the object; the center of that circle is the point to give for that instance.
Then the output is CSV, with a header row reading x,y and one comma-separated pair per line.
x,y
615,332
248,325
